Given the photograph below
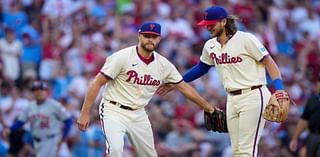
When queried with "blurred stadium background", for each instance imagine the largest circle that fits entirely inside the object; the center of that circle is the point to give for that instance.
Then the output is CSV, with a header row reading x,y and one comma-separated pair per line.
x,y
65,42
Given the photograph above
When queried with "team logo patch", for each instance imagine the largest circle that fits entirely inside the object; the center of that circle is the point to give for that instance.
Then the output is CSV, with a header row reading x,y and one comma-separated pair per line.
x,y
262,49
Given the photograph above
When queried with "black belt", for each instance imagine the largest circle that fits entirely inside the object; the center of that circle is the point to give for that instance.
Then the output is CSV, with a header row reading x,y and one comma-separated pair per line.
x,y
239,91
122,106
39,139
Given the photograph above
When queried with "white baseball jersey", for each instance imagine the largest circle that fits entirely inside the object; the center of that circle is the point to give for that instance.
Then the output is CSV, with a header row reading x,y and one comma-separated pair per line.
x,y
238,61
9,52
133,81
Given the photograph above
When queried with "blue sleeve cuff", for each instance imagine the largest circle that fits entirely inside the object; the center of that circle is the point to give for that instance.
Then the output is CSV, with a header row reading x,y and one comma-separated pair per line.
x,y
196,72
16,125
66,128
278,84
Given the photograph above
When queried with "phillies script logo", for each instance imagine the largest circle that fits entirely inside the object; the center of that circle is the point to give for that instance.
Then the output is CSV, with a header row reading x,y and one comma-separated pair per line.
x,y
225,59
142,80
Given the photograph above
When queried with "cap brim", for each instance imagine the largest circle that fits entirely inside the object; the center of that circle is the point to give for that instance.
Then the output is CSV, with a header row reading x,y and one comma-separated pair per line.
x,y
148,32
207,22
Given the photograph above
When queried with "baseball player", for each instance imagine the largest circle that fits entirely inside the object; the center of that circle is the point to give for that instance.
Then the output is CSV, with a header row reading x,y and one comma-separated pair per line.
x,y
241,62
132,76
46,117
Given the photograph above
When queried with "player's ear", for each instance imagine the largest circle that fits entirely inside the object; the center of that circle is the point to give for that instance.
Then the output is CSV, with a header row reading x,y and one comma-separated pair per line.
x,y
223,21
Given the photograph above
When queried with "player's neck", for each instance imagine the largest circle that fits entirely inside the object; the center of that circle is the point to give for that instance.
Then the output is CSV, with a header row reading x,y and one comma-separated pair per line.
x,y
144,54
223,38
39,102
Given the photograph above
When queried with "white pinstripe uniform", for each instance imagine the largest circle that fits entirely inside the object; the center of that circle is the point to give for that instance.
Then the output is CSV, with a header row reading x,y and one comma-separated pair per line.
x,y
133,84
238,65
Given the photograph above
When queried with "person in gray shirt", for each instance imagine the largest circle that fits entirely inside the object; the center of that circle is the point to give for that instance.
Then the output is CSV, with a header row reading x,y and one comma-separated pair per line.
x,y
46,117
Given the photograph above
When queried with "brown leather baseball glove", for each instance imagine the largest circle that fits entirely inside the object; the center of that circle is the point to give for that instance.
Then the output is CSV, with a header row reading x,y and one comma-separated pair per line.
x,y
215,121
278,107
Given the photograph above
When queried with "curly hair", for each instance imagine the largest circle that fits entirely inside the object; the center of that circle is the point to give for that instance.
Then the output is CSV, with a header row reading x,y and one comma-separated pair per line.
x,y
231,27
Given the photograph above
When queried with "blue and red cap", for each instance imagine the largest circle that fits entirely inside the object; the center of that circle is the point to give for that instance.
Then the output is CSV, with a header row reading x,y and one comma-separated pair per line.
x,y
39,85
213,15
150,28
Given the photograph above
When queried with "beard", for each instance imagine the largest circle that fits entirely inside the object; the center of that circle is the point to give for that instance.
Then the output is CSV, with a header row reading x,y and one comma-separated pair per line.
x,y
218,33
148,49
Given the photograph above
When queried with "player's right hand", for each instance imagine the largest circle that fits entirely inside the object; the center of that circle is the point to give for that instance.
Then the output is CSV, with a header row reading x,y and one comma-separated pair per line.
x,y
293,145
83,121
164,89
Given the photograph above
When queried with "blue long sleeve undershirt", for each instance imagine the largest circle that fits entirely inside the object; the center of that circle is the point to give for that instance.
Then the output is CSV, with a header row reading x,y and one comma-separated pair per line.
x,y
196,72
67,127
16,125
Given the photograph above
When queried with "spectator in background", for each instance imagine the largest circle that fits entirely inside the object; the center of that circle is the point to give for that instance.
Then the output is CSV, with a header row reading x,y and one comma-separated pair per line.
x,y
309,120
79,142
31,56
96,138
15,18
34,10
6,99
32,49
60,82
117,20
180,142
2,78
10,52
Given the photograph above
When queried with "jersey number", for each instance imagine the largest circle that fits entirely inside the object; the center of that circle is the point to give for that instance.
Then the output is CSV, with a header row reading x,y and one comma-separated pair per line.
x,y
44,124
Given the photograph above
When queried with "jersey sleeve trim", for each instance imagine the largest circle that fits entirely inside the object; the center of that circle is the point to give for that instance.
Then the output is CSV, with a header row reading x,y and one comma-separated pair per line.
x,y
263,57
174,82
106,75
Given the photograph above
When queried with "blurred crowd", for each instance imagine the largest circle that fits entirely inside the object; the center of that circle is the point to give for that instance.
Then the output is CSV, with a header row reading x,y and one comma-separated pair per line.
x,y
65,42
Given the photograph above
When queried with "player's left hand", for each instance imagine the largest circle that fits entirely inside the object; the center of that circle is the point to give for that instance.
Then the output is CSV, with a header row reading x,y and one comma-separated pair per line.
x,y
83,121
164,89
278,107
216,121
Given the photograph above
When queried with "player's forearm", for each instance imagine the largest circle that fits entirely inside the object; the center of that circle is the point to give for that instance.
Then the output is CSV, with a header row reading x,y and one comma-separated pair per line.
x,y
90,97
193,95
302,125
272,68
274,72
196,72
